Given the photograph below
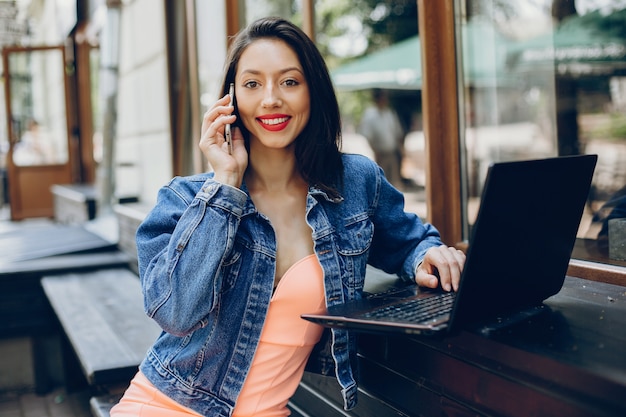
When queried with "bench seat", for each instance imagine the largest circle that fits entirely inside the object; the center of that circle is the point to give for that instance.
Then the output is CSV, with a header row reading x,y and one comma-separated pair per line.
x,y
101,405
102,315
74,203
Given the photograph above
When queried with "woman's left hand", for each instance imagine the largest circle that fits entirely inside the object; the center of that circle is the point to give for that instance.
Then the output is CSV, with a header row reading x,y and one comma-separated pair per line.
x,y
441,265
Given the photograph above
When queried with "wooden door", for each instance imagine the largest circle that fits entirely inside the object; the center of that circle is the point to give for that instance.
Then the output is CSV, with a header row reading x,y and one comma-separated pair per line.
x,y
36,91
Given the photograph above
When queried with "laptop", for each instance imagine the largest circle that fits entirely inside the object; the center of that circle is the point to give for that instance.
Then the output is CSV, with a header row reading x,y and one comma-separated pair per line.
x,y
518,255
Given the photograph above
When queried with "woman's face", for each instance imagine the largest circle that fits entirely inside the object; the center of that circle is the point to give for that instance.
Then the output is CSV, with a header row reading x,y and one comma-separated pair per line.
x,y
272,94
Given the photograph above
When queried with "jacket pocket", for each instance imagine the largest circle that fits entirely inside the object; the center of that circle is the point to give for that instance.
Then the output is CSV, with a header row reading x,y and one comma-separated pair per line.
x,y
353,244
231,268
356,237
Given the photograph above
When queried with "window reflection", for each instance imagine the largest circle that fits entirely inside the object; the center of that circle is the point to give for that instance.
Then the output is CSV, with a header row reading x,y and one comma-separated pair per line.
x,y
211,41
38,107
545,78
35,146
374,51
255,9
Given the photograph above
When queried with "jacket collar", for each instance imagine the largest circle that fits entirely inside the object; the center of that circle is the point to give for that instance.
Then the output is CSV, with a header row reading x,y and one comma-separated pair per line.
x,y
314,191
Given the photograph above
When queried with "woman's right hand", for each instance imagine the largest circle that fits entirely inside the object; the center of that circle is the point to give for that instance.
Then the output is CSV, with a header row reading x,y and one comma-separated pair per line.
x,y
229,169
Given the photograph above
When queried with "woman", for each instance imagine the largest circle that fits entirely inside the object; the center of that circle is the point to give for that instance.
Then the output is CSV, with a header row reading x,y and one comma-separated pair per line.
x,y
285,225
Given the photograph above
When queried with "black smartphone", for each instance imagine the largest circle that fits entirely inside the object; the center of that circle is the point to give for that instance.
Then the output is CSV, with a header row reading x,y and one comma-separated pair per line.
x,y
227,132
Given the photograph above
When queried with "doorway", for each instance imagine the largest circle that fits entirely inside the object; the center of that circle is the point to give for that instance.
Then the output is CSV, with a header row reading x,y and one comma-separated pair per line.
x,y
39,154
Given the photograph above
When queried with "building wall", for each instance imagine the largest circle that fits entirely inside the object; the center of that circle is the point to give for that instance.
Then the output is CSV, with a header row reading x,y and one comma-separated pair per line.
x,y
143,155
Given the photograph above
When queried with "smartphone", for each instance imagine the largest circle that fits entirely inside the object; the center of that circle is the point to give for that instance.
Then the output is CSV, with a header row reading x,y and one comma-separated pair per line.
x,y
227,132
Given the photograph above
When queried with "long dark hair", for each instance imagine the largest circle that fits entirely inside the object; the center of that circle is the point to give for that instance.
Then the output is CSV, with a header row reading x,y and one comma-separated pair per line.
x,y
317,147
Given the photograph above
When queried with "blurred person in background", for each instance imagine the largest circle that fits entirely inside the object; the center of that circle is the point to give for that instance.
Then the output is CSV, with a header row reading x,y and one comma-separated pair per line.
x,y
381,126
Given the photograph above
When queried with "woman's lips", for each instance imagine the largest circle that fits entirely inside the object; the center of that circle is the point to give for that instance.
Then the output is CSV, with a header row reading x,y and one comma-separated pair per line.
x,y
274,123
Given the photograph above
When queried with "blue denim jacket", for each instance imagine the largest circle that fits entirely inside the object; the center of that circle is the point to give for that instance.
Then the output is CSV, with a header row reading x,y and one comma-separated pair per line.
x,y
207,260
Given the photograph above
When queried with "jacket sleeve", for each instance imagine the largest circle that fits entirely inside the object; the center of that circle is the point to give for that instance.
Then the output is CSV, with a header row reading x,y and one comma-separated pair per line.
x,y
401,239
181,247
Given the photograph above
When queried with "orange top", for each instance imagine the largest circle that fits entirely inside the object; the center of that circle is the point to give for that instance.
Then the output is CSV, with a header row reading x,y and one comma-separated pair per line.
x,y
286,342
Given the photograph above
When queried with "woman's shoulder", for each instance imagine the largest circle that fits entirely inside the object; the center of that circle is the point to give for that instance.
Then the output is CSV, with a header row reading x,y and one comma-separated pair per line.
x,y
359,165
361,176
190,180
188,185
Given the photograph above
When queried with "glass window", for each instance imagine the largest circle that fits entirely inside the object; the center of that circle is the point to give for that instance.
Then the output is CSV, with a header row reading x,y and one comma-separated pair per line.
x,y
543,78
373,50
38,107
255,9
211,48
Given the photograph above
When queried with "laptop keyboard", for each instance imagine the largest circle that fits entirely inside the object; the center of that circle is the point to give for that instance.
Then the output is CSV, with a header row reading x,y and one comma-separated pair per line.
x,y
415,310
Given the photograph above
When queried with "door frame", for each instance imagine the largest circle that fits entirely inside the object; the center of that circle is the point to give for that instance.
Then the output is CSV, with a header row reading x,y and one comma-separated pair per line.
x,y
29,185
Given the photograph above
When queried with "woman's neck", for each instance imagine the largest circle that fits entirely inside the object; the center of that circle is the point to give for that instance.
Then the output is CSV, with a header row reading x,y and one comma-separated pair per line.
x,y
273,170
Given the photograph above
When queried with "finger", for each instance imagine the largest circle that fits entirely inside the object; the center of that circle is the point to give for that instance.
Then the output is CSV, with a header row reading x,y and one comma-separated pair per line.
x,y
223,106
450,266
425,275
239,149
238,141
441,265
441,261
430,281
213,131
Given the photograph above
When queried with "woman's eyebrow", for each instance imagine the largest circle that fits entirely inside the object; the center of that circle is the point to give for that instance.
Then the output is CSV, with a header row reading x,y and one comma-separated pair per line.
x,y
282,71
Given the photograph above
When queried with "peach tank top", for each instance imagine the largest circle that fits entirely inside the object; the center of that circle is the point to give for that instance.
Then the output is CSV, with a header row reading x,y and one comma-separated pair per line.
x,y
286,342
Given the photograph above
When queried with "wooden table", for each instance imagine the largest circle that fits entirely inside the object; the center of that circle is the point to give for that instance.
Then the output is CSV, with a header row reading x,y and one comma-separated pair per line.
x,y
34,242
570,361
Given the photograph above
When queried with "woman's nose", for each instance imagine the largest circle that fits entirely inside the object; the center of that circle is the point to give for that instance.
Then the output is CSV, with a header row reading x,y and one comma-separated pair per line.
x,y
271,97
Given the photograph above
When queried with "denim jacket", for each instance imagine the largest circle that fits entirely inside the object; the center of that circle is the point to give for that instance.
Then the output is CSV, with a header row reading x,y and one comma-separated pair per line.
x,y
207,261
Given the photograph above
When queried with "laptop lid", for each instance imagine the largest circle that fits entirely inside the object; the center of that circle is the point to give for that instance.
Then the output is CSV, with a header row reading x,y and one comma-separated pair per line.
x,y
523,236
519,251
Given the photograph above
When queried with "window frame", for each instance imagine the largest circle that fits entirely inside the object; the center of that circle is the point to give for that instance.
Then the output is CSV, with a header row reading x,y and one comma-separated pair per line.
x,y
441,126
441,118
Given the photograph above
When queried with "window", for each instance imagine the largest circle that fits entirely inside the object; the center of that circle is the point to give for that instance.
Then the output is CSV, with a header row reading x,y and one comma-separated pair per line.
x,y
545,78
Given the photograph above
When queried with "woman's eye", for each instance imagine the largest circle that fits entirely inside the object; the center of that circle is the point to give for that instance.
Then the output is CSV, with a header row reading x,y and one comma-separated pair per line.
x,y
291,83
251,84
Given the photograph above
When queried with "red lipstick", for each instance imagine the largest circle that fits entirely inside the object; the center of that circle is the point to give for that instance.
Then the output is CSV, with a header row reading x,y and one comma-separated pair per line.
x,y
274,122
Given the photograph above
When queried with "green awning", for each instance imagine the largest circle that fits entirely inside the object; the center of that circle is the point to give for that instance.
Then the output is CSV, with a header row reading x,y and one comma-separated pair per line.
x,y
399,66
396,67
592,44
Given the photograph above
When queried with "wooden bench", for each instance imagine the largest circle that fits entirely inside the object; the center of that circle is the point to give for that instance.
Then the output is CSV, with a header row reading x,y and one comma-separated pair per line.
x,y
28,253
129,217
74,203
78,203
101,313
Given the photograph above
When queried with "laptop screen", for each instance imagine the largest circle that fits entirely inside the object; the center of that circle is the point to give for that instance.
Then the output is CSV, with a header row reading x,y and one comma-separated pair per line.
x,y
523,236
